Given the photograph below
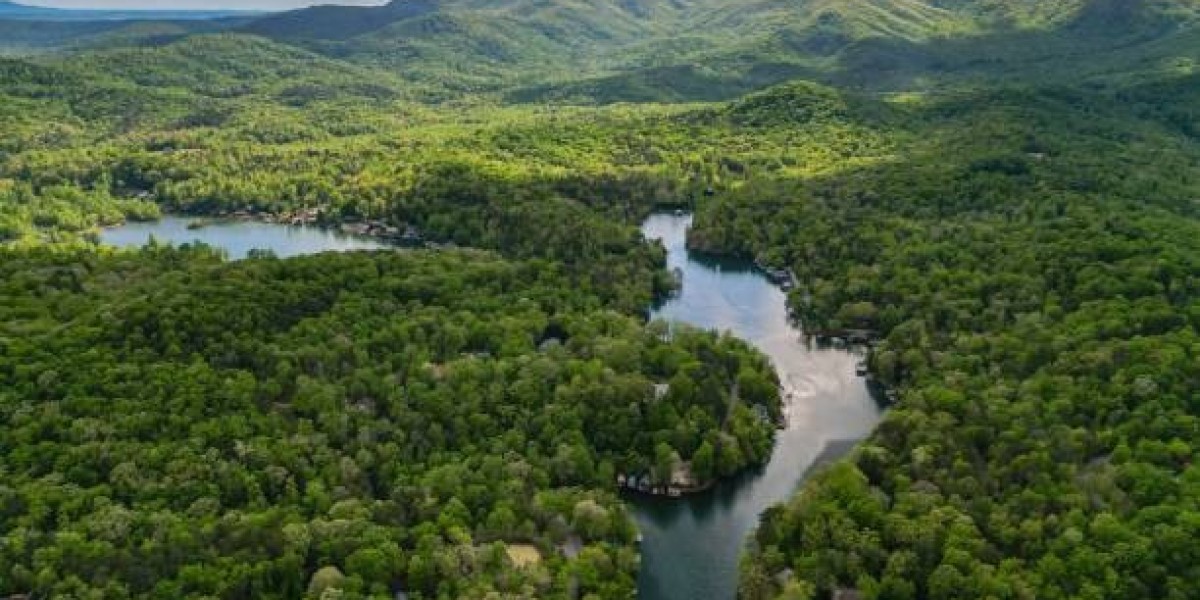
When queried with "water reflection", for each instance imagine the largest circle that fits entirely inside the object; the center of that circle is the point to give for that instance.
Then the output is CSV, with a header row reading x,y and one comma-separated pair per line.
x,y
238,238
691,546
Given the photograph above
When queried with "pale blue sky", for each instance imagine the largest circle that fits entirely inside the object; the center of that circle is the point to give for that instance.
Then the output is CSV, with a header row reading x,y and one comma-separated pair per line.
x,y
193,4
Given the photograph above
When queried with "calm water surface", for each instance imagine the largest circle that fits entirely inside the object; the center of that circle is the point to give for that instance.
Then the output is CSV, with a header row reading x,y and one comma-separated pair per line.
x,y
691,545
238,238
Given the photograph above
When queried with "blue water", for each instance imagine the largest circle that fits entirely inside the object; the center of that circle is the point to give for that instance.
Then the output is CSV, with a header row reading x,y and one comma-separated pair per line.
x,y
238,238
692,545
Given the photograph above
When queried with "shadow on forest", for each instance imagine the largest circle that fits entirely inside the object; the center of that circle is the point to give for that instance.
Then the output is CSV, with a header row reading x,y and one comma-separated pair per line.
x,y
1109,37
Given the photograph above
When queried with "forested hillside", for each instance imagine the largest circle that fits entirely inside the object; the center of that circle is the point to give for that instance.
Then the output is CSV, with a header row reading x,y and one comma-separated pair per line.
x,y
1005,192
659,50
1039,315
179,426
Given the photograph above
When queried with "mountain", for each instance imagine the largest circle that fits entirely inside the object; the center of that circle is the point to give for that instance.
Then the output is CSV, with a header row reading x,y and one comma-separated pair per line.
x,y
332,22
466,45
29,36
671,50
1001,192
13,10
599,51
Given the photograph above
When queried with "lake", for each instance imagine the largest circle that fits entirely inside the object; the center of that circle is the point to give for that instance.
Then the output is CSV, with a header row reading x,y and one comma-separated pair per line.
x,y
239,237
691,545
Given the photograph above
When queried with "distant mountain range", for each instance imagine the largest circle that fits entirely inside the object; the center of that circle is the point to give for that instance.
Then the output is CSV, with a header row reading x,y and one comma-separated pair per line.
x,y
600,51
334,22
13,10
642,50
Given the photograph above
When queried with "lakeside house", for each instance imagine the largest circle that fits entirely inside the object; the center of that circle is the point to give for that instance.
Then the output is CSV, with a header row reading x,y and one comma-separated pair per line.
x,y
682,481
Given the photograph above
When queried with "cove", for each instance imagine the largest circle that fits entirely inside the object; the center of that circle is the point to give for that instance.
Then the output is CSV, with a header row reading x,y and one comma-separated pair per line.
x,y
691,545
238,238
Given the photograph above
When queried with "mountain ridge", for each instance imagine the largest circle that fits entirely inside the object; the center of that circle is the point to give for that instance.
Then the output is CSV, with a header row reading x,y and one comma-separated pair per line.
x,y
335,22
587,50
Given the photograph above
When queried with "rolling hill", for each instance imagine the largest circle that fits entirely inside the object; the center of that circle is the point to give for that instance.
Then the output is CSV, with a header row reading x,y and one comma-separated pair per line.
x,y
594,51
1002,191
26,29
667,50
332,22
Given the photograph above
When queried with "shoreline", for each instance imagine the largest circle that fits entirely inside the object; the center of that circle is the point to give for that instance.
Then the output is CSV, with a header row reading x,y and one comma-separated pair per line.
x,y
405,236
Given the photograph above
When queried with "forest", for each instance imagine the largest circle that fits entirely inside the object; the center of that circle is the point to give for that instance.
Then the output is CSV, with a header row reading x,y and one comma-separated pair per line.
x,y
1038,313
178,425
1005,193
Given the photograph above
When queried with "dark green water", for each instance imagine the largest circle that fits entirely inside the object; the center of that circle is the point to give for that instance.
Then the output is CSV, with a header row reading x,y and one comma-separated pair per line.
x,y
691,545
238,238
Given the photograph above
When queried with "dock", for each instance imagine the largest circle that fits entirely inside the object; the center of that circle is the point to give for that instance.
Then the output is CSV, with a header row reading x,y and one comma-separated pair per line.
x,y
784,278
682,483
850,336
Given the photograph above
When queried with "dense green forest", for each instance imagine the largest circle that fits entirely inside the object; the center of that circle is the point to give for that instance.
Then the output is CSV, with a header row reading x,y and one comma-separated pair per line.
x,y
181,426
1039,312
1006,192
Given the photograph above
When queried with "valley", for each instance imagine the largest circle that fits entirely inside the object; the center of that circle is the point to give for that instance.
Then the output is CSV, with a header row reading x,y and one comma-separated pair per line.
x,y
1004,192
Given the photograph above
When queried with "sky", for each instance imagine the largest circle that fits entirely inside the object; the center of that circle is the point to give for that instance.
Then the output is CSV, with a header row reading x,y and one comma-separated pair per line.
x,y
193,4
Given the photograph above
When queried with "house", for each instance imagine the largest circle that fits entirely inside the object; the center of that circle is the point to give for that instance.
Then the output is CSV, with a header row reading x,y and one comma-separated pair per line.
x,y
846,594
660,390
762,413
644,483
784,577
571,547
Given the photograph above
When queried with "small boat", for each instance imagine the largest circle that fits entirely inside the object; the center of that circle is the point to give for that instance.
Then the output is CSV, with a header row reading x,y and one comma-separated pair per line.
x,y
678,212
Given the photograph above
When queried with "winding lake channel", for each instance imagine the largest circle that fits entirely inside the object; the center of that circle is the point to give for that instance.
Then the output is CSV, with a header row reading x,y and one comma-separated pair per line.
x,y
691,545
